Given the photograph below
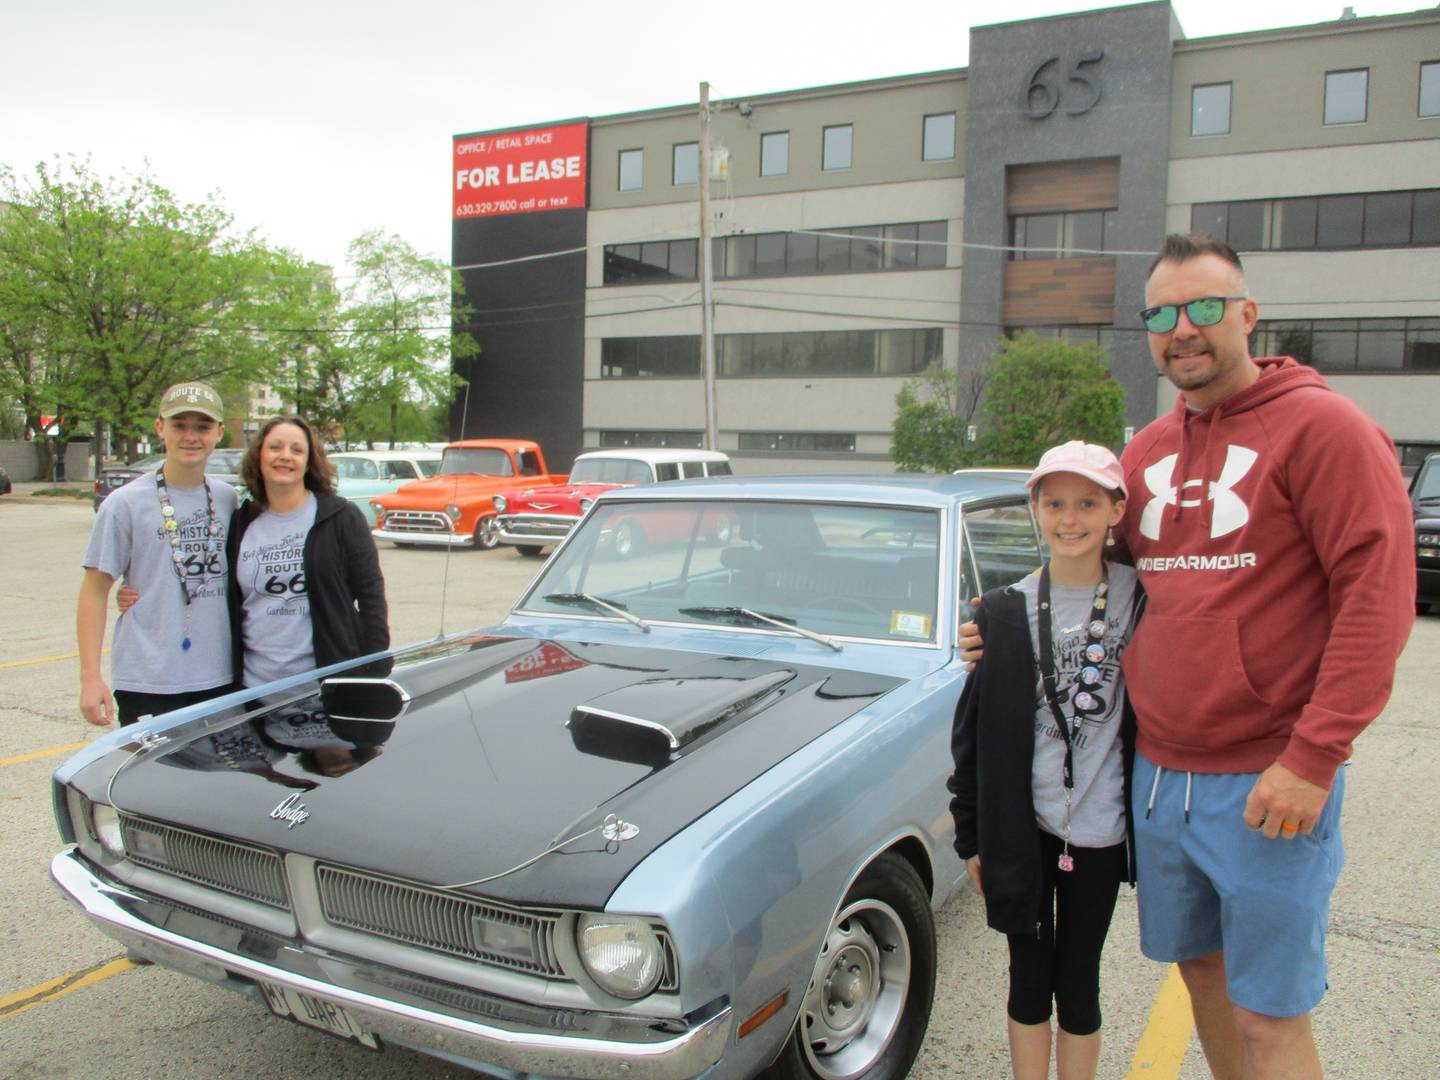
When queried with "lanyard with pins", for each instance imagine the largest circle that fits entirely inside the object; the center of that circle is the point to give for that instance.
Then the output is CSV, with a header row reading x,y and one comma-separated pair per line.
x,y
1085,701
177,557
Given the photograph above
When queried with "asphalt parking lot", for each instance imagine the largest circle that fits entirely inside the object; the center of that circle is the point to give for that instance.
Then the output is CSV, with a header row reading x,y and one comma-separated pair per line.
x,y
71,1006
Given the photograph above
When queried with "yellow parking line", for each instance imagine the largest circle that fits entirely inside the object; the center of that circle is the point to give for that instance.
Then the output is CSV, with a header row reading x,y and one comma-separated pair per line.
x,y
1162,1048
43,660
17,1003
68,748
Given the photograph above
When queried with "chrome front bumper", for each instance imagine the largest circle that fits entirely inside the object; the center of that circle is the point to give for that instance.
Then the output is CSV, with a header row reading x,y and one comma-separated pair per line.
x,y
541,529
455,1022
438,538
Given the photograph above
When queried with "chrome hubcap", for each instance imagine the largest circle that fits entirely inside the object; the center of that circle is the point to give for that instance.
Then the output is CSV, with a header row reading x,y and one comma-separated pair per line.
x,y
857,993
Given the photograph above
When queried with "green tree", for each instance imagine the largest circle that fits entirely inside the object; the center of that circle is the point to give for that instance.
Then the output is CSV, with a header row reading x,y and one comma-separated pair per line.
x,y
399,312
935,411
120,290
1043,392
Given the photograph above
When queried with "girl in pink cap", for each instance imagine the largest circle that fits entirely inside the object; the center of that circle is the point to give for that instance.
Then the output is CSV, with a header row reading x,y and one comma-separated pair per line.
x,y
1042,742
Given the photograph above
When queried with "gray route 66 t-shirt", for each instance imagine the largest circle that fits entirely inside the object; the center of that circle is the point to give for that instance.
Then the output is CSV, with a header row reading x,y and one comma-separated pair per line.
x,y
128,542
275,621
1097,812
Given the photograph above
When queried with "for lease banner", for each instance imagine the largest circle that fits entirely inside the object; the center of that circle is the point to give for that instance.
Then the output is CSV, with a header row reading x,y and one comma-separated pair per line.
x,y
519,172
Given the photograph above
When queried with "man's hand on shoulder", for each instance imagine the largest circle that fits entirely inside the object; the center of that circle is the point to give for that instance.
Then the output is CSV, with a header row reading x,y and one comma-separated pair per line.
x,y
1283,804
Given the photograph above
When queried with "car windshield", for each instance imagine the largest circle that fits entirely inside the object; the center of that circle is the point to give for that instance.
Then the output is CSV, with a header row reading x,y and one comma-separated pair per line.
x,y
224,461
475,461
610,471
1427,484
840,570
145,464
349,468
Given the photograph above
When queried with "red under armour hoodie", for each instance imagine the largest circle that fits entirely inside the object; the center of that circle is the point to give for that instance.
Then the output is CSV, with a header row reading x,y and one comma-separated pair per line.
x,y
1275,541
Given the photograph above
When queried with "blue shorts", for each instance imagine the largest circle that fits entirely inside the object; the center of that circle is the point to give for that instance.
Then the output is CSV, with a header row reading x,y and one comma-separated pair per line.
x,y
1215,884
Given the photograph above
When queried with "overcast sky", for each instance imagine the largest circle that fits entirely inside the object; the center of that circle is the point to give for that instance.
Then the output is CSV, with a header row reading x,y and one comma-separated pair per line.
x,y
317,121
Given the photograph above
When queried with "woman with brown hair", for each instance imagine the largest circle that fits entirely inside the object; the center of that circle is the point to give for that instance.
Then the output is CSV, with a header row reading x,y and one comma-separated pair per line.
x,y
306,589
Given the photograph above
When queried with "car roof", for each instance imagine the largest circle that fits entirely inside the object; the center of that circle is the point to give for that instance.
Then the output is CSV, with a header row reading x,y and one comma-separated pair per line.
x,y
917,489
389,455
655,455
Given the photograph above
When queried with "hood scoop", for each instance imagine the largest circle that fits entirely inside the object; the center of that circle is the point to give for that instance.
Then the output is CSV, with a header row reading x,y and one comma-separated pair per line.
x,y
653,721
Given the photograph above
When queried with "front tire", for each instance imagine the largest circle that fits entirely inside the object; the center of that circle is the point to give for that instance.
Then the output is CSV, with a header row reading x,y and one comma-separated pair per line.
x,y
628,539
487,533
530,551
867,1007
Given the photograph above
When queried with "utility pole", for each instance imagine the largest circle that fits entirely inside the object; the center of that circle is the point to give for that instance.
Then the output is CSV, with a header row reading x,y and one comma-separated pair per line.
x,y
707,277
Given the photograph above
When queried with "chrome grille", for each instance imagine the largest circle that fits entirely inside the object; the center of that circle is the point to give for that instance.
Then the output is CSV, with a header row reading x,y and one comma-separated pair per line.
x,y
417,521
254,873
547,525
437,920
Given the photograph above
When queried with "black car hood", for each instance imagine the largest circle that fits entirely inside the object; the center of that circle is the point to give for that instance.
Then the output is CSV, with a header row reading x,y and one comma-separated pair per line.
x,y
479,755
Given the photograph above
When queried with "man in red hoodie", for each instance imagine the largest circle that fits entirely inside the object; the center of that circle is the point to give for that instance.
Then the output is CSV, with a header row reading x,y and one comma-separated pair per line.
x,y
1269,523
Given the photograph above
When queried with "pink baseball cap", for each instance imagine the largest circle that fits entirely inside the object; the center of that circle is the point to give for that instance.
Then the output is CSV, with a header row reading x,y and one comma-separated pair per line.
x,y
1083,459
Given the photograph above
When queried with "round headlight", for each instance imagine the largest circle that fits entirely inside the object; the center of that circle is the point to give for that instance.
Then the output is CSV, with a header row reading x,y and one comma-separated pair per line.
x,y
585,504
107,828
621,952
453,511
500,504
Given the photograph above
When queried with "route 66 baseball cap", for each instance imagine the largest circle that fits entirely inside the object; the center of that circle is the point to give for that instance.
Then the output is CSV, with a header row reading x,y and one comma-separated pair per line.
x,y
193,397
1084,459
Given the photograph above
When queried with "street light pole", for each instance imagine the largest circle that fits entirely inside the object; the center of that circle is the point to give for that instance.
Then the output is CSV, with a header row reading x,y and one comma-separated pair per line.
x,y
707,279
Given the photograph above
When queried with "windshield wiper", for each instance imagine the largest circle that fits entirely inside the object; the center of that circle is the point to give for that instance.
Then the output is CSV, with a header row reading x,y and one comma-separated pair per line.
x,y
595,601
782,621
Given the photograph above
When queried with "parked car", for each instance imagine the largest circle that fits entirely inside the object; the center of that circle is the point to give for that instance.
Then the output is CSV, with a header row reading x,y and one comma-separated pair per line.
x,y
456,507
678,815
539,516
1425,501
363,474
224,464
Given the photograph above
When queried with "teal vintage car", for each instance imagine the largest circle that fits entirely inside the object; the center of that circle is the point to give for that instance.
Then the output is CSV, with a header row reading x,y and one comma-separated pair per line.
x,y
363,474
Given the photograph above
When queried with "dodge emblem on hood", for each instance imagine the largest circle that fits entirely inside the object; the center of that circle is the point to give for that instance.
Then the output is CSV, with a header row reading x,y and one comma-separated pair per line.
x,y
291,811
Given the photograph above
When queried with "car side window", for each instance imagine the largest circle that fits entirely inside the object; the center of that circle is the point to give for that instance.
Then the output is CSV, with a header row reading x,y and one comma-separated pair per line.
x,y
718,468
692,469
1003,542
667,470
429,468
399,470
529,463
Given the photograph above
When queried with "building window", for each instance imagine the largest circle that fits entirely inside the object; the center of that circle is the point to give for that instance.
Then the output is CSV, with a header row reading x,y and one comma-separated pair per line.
x,y
794,441
671,357
1430,88
1350,345
1377,219
829,352
775,153
685,440
1078,234
938,142
1345,96
838,149
685,168
849,249
656,260
1210,109
632,170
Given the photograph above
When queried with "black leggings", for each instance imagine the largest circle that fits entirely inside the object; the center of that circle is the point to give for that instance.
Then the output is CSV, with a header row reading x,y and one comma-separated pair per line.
x,y
133,704
1062,960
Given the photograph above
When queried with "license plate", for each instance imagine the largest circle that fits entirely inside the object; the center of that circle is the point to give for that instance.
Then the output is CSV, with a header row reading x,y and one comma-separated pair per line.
x,y
312,1012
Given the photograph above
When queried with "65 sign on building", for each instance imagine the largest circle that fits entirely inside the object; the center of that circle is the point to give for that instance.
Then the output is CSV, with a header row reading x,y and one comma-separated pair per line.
x,y
519,172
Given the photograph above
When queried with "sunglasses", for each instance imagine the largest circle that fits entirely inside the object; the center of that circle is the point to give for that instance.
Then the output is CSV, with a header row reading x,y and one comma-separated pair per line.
x,y
1206,311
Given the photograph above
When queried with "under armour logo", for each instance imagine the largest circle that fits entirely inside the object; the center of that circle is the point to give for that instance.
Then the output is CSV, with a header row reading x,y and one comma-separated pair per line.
x,y
1230,510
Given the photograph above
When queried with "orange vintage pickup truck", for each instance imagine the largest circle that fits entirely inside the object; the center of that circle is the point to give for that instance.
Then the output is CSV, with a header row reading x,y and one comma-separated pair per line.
x,y
456,506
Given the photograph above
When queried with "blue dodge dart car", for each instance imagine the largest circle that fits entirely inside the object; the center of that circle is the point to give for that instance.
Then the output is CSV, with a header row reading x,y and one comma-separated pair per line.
x,y
682,813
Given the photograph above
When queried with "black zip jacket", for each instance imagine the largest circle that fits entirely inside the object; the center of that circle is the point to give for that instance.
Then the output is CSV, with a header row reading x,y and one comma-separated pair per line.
x,y
993,744
348,613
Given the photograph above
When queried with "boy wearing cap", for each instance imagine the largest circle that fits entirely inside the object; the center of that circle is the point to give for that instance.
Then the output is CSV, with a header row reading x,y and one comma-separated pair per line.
x,y
164,533
1042,744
